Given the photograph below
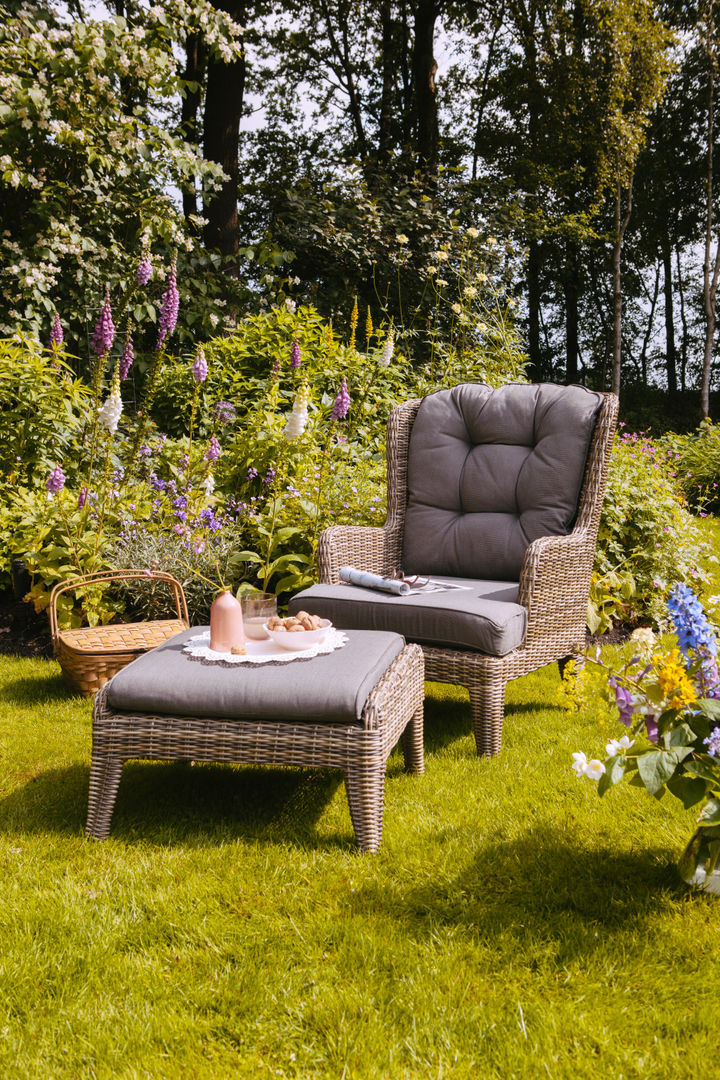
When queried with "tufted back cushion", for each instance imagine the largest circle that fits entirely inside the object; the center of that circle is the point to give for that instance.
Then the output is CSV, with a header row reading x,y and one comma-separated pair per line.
x,y
489,471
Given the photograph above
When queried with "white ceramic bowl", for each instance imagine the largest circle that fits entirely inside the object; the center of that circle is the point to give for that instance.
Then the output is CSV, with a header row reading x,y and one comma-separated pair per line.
x,y
301,639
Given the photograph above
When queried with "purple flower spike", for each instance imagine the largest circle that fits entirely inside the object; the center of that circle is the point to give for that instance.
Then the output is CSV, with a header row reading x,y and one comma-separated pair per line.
x,y
55,481
128,355
213,451
105,330
342,403
144,270
200,368
56,335
82,498
295,354
170,308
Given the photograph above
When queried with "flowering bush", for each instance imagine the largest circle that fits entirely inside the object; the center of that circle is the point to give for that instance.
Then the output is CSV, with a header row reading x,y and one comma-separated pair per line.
x,y
668,699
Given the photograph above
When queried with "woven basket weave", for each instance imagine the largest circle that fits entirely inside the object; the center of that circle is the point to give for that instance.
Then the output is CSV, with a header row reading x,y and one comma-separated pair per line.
x,y
89,656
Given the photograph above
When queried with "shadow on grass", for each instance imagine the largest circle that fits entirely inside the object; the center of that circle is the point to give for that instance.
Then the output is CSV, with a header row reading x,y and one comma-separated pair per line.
x,y
179,803
31,690
449,719
541,886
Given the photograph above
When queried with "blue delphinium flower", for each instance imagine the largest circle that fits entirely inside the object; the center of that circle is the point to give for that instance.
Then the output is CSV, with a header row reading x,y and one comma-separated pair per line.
x,y
694,631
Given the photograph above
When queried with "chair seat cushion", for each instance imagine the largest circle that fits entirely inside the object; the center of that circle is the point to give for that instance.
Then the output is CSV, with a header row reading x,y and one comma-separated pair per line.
x,y
484,616
332,687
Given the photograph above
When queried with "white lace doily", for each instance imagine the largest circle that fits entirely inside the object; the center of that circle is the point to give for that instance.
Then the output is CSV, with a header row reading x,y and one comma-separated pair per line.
x,y
262,652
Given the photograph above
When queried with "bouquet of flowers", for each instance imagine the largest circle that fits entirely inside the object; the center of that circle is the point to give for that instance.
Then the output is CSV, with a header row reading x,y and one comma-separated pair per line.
x,y
668,699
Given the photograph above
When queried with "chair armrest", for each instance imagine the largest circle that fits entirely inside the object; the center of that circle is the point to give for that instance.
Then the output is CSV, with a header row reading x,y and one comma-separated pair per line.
x,y
555,584
372,548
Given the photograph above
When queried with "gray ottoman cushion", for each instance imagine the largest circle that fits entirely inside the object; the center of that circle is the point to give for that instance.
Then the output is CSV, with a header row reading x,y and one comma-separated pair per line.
x,y
492,470
485,617
328,688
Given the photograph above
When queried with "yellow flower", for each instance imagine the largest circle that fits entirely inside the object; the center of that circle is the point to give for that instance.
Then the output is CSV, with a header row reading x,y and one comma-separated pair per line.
x,y
369,329
674,682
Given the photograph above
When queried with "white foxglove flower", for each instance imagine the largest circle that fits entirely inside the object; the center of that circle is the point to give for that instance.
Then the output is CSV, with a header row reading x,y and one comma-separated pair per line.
x,y
110,412
208,484
297,421
387,350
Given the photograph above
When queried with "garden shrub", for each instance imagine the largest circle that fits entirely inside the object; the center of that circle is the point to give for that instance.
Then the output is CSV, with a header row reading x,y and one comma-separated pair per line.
x,y
696,460
648,539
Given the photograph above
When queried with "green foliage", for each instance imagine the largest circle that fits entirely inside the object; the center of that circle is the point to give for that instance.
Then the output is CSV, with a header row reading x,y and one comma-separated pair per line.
x,y
648,539
696,458
42,407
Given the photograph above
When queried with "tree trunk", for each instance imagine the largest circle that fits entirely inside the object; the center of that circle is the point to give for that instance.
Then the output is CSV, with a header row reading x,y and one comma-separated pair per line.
x,y
195,56
570,288
386,35
648,333
424,69
535,369
221,136
670,347
621,224
683,320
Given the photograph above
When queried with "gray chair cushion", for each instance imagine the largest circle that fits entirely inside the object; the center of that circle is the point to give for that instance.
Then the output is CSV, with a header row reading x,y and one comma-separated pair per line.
x,y
489,471
327,688
485,618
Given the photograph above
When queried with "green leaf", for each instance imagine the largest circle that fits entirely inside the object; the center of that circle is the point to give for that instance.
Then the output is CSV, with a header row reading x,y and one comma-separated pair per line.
x,y
690,790
613,774
656,768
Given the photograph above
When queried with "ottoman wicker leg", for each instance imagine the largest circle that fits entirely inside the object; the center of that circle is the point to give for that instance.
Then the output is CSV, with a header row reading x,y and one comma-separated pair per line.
x,y
366,799
411,741
105,771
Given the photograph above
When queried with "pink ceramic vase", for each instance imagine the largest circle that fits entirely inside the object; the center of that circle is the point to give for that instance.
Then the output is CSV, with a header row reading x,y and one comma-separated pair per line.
x,y
226,623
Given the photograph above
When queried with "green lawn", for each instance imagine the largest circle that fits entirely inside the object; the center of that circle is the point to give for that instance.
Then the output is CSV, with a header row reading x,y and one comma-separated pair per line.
x,y
512,925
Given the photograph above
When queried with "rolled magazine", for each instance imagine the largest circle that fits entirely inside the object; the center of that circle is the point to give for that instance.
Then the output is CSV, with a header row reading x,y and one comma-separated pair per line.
x,y
373,581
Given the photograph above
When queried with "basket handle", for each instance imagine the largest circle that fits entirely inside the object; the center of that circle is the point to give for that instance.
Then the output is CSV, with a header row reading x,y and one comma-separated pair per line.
x,y
117,575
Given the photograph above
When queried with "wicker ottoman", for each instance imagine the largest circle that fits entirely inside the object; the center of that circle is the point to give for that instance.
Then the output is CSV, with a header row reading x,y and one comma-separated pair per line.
x,y
346,709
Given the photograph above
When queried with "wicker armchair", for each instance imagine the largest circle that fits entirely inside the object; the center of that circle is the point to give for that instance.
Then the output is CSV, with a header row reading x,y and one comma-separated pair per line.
x,y
553,584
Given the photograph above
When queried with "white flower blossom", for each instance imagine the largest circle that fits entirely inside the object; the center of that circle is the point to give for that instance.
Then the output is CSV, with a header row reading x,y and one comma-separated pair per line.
x,y
387,350
290,305
110,411
208,484
579,763
594,769
297,421
616,745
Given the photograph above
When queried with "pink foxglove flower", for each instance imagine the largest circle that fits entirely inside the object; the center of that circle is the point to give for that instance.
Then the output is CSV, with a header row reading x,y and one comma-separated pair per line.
x,y
105,330
342,403
82,498
55,481
213,451
128,355
200,368
295,354
56,335
170,308
144,269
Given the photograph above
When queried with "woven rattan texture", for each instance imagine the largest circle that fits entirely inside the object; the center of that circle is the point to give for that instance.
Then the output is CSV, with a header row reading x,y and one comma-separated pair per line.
x,y
554,580
89,656
393,711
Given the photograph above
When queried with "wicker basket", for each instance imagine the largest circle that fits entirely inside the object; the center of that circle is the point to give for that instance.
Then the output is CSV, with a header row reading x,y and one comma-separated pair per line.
x,y
90,655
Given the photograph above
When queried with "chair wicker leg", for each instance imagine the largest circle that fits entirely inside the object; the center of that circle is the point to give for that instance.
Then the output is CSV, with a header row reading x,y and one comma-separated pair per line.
x,y
487,708
411,741
366,797
105,773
